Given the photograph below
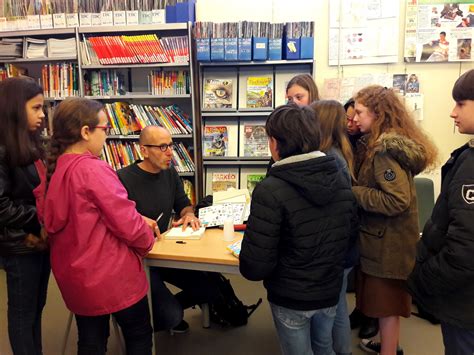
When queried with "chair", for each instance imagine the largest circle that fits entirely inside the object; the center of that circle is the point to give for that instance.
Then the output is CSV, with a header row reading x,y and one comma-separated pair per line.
x,y
68,330
425,197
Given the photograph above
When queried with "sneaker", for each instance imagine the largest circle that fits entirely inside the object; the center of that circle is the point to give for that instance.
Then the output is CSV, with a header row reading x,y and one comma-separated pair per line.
x,y
374,347
182,327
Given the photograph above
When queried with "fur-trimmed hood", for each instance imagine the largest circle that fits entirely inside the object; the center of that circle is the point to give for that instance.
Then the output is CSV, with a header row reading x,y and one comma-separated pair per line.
x,y
410,155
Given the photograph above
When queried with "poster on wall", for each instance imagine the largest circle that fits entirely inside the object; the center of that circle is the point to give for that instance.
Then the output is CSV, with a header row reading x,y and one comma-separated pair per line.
x,y
363,31
438,31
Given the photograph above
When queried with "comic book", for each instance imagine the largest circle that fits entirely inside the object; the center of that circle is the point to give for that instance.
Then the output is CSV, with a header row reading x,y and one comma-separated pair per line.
x,y
259,92
215,141
223,181
217,93
255,141
253,180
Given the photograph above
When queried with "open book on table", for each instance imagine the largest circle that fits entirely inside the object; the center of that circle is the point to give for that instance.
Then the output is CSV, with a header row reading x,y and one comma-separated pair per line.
x,y
187,234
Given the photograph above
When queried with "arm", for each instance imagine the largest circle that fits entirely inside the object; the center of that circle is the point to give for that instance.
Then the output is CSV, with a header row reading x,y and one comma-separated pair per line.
x,y
118,212
259,254
392,196
183,207
13,215
453,266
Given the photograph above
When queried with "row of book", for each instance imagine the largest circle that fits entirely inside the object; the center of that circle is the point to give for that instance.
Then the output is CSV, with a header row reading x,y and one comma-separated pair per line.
x,y
136,49
223,140
60,80
50,48
127,119
104,83
10,70
170,82
218,93
120,154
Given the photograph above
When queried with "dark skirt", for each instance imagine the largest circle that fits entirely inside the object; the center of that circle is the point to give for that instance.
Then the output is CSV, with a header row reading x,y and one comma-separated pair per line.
x,y
378,297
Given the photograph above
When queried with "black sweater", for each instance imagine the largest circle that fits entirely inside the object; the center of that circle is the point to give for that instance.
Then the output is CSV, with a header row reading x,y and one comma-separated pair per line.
x,y
443,278
298,231
154,193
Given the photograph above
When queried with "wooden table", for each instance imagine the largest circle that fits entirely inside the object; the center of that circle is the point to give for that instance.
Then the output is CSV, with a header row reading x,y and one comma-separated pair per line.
x,y
206,254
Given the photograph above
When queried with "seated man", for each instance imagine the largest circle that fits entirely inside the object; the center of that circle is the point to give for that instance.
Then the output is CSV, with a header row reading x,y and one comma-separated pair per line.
x,y
157,189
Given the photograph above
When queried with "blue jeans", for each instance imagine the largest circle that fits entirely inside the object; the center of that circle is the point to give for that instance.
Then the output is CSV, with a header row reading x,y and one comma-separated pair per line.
x,y
341,332
134,322
457,341
197,287
27,284
304,332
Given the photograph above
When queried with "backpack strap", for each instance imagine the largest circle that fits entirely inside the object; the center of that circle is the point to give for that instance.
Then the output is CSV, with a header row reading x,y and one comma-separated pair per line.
x,y
253,307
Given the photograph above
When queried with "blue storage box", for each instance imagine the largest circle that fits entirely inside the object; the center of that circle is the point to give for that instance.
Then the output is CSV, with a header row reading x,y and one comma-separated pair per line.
x,y
230,49
170,14
260,48
274,48
185,11
217,49
203,47
245,49
306,47
292,48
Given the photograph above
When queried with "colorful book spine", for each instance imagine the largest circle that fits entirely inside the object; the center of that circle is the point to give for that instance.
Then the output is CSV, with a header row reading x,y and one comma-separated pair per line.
x,y
60,80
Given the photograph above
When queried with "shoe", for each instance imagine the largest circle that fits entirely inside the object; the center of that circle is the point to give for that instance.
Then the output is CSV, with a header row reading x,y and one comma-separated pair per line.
x,y
374,347
182,327
369,328
356,318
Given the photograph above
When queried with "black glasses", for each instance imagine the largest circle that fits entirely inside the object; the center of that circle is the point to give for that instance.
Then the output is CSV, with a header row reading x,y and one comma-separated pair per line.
x,y
163,147
106,128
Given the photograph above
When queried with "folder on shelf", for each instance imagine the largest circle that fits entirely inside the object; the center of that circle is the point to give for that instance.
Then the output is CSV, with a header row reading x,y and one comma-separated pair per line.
x,y
230,49
260,48
292,48
274,48
306,47
245,49
217,49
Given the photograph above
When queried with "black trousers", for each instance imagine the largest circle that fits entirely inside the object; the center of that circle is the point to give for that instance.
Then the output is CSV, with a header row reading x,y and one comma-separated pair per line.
x,y
134,322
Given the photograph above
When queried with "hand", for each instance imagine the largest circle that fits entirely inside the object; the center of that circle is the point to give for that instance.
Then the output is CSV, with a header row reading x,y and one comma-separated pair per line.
x,y
188,219
35,242
153,226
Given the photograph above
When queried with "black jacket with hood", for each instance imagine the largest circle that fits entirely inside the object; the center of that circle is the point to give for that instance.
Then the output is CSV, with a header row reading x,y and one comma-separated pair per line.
x,y
298,232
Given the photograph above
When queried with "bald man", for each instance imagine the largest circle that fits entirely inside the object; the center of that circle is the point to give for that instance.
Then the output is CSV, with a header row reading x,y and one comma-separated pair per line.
x,y
156,188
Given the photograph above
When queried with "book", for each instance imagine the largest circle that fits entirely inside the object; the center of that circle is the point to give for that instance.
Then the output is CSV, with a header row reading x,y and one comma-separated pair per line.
x,y
259,91
187,234
235,248
255,141
217,93
215,141
223,181
253,180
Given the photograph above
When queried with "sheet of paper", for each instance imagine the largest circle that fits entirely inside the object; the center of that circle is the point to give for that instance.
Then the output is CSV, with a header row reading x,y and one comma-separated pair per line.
x,y
188,233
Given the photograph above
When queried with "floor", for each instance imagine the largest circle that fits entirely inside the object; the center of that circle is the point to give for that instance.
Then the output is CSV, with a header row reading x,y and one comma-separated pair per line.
x,y
418,337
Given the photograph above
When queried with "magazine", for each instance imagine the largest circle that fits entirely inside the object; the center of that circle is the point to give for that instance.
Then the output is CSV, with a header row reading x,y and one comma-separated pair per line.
x,y
255,141
217,93
253,180
259,91
215,141
223,181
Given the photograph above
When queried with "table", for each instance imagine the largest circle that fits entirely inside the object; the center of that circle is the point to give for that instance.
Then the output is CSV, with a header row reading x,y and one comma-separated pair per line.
x,y
206,254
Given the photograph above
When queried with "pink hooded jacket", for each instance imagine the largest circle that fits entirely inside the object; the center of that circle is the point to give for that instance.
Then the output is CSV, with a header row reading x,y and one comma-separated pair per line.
x,y
97,237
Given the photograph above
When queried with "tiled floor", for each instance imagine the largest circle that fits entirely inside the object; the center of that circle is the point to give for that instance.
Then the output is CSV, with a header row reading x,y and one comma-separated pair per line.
x,y
417,336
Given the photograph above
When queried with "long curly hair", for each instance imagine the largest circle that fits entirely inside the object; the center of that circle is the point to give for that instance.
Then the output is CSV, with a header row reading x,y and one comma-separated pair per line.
x,y
332,117
392,116
69,117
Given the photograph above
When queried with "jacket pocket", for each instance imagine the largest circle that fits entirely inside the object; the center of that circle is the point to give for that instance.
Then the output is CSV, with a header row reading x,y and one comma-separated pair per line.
x,y
371,242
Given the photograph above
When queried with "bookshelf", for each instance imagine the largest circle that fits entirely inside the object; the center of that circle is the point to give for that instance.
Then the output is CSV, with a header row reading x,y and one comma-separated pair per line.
x,y
228,113
174,111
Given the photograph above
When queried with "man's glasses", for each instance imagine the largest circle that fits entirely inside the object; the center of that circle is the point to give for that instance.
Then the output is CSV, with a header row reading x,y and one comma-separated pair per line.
x,y
163,147
106,128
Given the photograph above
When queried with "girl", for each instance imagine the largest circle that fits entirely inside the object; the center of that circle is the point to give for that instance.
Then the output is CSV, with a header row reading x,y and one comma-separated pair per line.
x,y
302,90
98,239
393,150
22,244
334,142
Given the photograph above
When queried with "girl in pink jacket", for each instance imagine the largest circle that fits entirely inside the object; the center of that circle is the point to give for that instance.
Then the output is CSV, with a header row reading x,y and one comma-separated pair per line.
x,y
97,237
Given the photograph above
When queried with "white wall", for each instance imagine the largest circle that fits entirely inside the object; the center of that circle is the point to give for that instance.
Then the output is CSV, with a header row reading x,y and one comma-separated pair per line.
x,y
436,80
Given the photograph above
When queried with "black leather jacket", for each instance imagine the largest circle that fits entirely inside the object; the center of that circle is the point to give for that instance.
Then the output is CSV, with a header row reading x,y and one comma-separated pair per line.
x,y
17,207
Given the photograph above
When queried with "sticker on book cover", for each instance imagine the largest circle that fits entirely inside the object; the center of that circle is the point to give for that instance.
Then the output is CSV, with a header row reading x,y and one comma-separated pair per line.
x,y
389,175
468,193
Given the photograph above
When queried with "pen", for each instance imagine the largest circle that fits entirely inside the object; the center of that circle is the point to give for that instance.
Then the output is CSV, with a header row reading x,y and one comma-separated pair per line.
x,y
180,242
161,215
